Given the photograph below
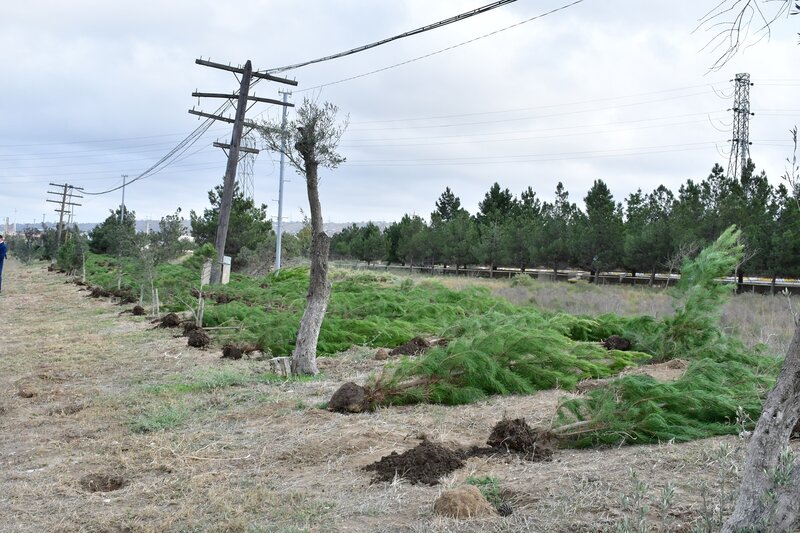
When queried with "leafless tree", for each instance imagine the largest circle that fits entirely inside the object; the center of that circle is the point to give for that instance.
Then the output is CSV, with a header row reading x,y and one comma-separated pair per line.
x,y
308,142
734,24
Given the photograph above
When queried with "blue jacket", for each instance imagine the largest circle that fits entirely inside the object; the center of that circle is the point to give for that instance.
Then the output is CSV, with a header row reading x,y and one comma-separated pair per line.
x,y
3,251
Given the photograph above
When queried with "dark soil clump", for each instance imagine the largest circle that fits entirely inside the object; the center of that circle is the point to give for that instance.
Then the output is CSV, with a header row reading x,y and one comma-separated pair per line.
x,y
102,482
615,342
138,310
349,398
222,298
170,320
515,435
231,351
198,338
99,292
416,346
189,327
425,463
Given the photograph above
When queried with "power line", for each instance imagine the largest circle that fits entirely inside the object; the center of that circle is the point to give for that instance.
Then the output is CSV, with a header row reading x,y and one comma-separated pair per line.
x,y
542,15
423,29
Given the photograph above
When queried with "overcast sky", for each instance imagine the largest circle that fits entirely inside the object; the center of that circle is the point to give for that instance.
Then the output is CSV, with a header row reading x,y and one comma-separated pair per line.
x,y
618,90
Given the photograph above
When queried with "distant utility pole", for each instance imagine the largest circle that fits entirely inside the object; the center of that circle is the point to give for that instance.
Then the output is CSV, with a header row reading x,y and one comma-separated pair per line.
x,y
235,145
286,95
740,141
122,208
67,195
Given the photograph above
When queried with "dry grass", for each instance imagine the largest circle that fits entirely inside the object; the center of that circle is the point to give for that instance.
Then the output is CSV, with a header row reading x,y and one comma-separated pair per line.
x,y
239,452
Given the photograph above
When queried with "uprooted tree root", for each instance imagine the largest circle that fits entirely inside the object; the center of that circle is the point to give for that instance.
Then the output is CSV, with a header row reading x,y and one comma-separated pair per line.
x,y
198,338
170,320
237,351
428,461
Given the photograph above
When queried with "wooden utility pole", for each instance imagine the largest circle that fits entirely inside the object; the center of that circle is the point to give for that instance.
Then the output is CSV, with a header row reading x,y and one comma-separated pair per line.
x,y
66,194
234,147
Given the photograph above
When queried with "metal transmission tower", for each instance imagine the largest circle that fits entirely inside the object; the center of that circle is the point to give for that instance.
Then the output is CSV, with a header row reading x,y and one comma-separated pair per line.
x,y
740,141
246,164
241,101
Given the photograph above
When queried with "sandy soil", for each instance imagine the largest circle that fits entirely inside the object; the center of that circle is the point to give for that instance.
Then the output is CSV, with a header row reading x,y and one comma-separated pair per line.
x,y
79,381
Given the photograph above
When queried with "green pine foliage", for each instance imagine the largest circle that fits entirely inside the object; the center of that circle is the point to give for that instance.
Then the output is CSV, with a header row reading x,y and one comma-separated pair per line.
x,y
723,379
496,347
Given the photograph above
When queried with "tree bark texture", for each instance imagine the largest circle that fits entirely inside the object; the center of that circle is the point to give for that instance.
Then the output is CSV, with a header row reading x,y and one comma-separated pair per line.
x,y
304,357
769,496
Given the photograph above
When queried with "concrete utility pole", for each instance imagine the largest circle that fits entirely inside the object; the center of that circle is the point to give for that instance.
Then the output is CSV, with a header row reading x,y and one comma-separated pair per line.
x,y
66,194
235,145
286,95
122,209
740,141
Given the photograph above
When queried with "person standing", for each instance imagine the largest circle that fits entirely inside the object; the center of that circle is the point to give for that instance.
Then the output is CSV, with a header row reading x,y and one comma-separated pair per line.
x,y
3,253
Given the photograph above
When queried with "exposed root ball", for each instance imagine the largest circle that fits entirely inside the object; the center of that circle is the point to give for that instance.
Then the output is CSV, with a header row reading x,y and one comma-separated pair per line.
x,y
138,310
198,338
222,298
416,346
615,342
349,398
170,320
463,502
189,327
231,351
517,436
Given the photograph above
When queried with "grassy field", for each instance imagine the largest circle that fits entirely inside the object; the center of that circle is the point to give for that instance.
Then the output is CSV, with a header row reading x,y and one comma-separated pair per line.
x,y
97,400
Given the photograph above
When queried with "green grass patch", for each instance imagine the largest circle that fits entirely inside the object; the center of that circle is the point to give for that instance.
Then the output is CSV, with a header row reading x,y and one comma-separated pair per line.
x,y
489,487
160,418
205,381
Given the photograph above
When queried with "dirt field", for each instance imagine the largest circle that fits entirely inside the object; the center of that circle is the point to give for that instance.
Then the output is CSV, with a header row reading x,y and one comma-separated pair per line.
x,y
107,424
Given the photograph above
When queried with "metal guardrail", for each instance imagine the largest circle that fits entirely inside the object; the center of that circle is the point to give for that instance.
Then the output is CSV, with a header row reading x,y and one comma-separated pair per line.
x,y
756,285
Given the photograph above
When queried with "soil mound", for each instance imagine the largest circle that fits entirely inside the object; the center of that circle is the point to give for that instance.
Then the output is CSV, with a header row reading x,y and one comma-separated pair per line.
x,y
170,320
515,435
198,338
231,351
189,327
425,463
99,292
416,346
463,502
222,298
138,310
102,482
349,398
615,342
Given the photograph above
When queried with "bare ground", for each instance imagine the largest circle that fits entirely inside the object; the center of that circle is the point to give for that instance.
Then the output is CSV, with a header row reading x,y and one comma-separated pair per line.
x,y
107,424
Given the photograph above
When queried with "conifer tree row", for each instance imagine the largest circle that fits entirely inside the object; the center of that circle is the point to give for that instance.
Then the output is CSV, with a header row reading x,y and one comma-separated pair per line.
x,y
649,232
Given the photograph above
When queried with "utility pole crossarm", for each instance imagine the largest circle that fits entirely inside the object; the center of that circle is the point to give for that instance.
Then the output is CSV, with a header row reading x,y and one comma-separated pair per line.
x,y
245,149
218,117
237,70
234,96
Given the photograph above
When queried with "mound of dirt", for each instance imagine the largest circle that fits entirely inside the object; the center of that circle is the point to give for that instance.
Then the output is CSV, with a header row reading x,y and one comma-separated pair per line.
x,y
615,342
222,298
170,320
231,351
99,292
138,310
515,435
425,463
102,482
463,502
416,346
198,338
189,327
349,398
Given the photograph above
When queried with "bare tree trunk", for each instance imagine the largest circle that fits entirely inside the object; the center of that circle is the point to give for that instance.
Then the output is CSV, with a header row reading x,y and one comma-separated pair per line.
x,y
304,357
770,486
